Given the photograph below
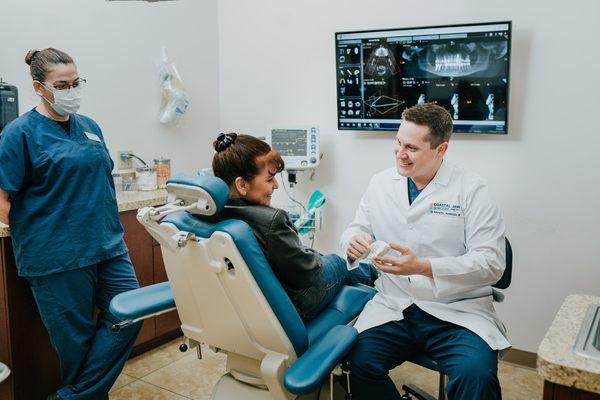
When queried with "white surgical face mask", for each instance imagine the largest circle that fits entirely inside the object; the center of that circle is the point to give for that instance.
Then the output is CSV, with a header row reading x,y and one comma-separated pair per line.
x,y
66,101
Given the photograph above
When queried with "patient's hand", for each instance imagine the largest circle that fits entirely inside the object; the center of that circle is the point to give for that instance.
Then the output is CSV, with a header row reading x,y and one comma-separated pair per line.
x,y
358,245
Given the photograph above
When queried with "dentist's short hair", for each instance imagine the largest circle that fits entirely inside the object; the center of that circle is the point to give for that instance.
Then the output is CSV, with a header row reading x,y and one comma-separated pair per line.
x,y
436,118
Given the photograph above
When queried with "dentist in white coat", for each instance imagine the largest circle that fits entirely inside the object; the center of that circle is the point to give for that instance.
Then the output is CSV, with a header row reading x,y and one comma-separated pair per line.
x,y
434,292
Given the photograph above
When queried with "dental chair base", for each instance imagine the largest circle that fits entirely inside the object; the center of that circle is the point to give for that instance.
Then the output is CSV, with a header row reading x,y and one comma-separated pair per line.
x,y
229,388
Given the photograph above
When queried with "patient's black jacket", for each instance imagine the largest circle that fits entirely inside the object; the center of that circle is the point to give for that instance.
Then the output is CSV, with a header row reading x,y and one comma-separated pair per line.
x,y
298,268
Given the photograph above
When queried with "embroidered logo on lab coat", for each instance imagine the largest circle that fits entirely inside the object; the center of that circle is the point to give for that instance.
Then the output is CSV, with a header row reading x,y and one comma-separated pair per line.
x,y
452,210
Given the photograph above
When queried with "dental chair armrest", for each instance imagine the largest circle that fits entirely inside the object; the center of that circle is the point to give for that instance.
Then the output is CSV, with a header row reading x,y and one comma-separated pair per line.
x,y
135,305
307,373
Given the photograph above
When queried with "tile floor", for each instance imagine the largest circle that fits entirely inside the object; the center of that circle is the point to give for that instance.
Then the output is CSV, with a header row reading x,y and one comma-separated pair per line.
x,y
167,374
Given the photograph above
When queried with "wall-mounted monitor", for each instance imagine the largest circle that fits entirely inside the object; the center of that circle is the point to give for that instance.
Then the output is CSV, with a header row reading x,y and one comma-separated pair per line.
x,y
463,68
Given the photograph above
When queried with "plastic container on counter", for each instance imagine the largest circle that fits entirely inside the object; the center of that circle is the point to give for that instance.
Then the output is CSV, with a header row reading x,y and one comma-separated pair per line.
x,y
163,171
128,182
146,178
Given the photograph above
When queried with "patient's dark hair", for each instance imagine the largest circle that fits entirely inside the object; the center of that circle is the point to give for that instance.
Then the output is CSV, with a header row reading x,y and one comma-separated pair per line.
x,y
243,156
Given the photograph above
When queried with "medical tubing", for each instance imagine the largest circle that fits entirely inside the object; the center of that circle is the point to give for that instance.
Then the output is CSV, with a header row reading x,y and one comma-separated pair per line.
x,y
290,197
136,157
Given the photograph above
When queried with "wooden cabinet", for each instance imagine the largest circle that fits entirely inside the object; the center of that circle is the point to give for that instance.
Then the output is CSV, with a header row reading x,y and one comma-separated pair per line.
x,y
146,258
24,343
27,351
165,323
139,243
553,391
4,343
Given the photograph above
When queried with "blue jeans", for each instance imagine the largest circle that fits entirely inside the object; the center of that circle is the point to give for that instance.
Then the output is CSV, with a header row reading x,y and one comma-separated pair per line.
x,y
91,356
336,274
472,366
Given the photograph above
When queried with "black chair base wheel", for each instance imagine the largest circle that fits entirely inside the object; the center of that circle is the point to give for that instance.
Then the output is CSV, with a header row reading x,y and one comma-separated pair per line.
x,y
413,392
183,347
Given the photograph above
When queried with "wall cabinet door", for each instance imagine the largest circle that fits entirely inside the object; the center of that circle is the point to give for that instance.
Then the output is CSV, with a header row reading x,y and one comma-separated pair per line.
x,y
31,357
6,387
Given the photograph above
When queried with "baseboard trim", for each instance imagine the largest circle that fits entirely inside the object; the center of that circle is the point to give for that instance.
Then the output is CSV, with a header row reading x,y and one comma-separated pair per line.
x,y
155,342
520,357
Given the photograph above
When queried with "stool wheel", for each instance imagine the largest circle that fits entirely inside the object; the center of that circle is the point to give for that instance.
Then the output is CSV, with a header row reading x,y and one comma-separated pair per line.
x,y
183,347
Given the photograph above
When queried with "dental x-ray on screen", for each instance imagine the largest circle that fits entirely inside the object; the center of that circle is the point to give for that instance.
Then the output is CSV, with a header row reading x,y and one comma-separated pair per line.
x,y
464,68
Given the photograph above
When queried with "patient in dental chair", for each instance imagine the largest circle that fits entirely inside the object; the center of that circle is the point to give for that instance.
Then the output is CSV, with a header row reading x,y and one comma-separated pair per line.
x,y
248,166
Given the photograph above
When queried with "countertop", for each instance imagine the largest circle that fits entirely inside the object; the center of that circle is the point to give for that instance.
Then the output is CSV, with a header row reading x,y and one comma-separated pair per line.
x,y
126,200
556,361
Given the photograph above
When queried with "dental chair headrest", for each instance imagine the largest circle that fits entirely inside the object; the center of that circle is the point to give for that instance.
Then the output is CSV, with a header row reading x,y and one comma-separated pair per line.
x,y
212,192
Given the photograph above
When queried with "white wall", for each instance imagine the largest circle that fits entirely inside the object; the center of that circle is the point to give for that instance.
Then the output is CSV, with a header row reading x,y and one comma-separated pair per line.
x,y
277,66
248,65
115,46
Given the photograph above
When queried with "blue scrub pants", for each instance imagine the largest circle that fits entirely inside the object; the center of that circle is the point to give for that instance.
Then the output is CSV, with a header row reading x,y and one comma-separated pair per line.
x,y
91,356
471,365
336,274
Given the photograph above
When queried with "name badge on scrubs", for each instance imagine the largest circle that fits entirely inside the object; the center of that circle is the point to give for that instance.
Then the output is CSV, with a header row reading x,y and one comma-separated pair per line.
x,y
92,136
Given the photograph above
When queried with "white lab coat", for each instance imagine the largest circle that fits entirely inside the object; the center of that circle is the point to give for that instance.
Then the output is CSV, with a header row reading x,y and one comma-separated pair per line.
x,y
455,224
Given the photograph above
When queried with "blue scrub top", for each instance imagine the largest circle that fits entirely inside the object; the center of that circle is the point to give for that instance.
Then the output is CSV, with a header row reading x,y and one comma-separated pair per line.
x,y
63,212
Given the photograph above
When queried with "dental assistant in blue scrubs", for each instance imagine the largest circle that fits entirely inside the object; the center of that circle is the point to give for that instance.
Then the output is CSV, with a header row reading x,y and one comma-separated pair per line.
x,y
57,193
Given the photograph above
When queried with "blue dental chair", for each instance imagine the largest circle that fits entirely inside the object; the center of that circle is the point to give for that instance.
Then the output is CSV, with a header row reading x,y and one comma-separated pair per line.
x,y
228,298
425,361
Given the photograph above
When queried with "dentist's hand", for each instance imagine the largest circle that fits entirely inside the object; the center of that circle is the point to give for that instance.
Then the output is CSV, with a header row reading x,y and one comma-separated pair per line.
x,y
358,245
407,264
